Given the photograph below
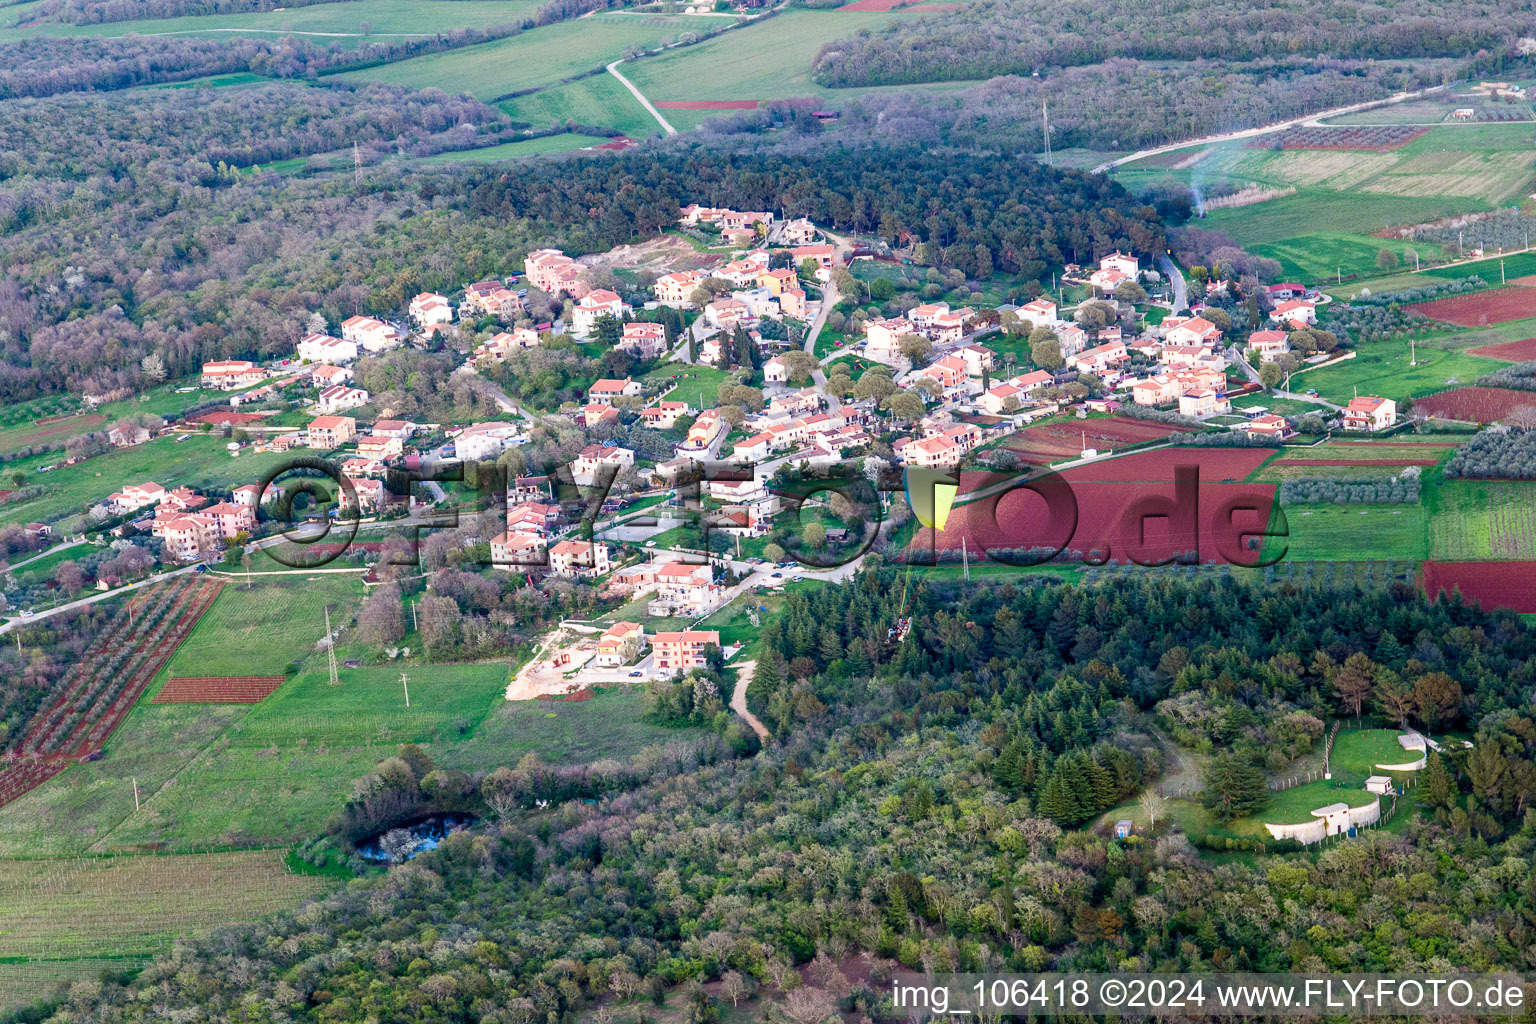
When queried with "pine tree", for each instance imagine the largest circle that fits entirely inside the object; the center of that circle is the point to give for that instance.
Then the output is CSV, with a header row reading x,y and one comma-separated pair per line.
x,y
1008,770
1437,786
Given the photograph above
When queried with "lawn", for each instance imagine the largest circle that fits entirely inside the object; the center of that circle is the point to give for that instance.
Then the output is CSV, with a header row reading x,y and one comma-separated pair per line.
x,y
542,56
1482,520
595,100
1354,213
1381,368
1296,804
696,385
562,143
1361,750
342,22
200,461
1346,533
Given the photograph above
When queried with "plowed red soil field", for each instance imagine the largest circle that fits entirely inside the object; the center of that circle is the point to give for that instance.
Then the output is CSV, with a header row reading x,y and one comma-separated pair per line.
x,y
1489,584
1475,310
217,689
1475,404
1514,351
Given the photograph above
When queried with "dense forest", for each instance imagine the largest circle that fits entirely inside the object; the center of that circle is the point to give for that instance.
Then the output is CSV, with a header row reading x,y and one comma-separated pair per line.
x,y
116,252
904,819
1020,37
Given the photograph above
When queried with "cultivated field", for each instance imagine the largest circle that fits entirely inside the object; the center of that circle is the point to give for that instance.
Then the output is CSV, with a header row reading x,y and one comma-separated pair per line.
x,y
1476,404
1513,351
595,100
94,907
1320,533
1489,584
217,689
263,628
1474,520
1377,137
1479,309
1045,443
347,24
1382,368
540,57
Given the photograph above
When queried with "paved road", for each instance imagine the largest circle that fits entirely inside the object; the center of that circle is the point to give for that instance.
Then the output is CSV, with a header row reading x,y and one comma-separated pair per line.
x,y
1248,133
1176,279
666,126
829,297
45,553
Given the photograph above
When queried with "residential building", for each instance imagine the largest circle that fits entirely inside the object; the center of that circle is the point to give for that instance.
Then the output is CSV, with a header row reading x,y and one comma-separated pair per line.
x,y
126,435
1125,263
882,338
383,449
822,254
1203,403
590,461
792,303
579,558
373,335
1370,412
1153,391
497,347
330,432
685,589
490,298
663,415
978,359
594,413
516,549
136,496
620,644
403,429
676,653
1040,312
1002,399
596,304
705,430
1296,312
480,441
187,538
1268,425
607,390
677,289
1179,330
1099,358
322,348
339,397
799,231
326,375
1269,344
229,374
645,341
776,371
429,308
552,271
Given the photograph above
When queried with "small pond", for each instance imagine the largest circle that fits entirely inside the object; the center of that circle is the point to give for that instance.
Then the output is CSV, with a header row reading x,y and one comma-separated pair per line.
x,y
406,841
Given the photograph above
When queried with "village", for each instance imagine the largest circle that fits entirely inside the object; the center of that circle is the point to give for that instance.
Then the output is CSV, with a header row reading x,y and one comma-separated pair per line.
x,y
937,385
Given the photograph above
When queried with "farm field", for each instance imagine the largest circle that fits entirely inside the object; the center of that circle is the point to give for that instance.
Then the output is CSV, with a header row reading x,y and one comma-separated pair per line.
x,y
1493,270
200,461
1513,351
595,100
1350,213
261,630
342,22
1381,368
1325,533
1489,584
1320,257
1044,443
1476,404
55,913
542,56
1476,520
49,430
1105,506
767,60
1497,305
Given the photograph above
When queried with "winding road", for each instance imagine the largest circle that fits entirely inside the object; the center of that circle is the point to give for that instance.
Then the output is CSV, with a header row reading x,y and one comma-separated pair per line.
x,y
666,126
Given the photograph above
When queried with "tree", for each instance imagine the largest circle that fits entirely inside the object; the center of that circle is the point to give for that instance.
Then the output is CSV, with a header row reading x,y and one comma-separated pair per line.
x,y
398,844
1046,352
915,347
1152,805
382,619
1270,375
732,985
1353,681
814,535
904,405
1395,700
1438,699
1234,786
1130,291
1386,259
152,368
1437,786
773,553
69,576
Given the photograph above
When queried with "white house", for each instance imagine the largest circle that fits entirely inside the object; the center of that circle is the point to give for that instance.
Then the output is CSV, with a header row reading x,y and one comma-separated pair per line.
x,y
322,348
597,303
429,308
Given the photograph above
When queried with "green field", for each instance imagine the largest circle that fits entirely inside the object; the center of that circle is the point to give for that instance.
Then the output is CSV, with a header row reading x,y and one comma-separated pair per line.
x,y
562,143
1294,805
1351,213
1492,270
594,100
1320,256
1361,750
1381,368
542,56
341,23
200,461
698,385
1477,520
1347,533
770,59
261,629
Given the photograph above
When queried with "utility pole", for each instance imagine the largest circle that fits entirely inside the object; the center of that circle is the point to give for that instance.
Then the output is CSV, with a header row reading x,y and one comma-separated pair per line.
x,y
330,646
1501,273
405,684
357,163
135,793
415,626
965,560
